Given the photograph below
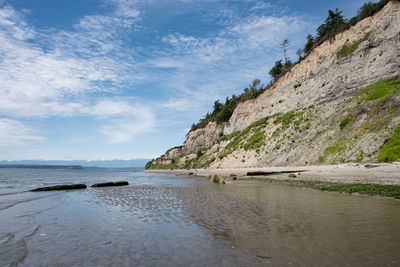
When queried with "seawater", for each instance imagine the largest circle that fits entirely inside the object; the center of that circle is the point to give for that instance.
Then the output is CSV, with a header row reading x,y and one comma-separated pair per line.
x,y
166,220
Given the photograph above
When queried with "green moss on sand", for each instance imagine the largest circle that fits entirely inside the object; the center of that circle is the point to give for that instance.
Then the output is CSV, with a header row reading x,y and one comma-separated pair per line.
x,y
367,189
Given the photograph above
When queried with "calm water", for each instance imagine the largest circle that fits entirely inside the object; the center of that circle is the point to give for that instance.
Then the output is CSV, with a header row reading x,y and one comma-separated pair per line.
x,y
163,220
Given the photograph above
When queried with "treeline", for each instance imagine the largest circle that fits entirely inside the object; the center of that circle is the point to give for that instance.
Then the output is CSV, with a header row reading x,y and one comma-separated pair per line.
x,y
222,112
334,24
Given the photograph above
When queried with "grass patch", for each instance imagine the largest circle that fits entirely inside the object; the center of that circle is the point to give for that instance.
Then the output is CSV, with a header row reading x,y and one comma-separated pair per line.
x,y
329,152
367,189
378,91
208,163
256,140
336,148
349,49
391,149
360,156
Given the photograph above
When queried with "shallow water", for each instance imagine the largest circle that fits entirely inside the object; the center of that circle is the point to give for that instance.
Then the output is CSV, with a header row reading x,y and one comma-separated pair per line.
x,y
163,220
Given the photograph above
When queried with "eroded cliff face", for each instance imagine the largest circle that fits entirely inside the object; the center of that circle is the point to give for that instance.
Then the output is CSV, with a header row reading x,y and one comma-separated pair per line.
x,y
321,111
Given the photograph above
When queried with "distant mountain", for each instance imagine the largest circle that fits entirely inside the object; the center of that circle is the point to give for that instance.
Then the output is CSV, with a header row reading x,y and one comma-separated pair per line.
x,y
116,163
37,166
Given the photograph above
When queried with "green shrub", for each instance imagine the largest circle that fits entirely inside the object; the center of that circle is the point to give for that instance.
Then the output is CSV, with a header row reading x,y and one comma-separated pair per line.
x,y
349,49
148,165
344,123
391,149
360,156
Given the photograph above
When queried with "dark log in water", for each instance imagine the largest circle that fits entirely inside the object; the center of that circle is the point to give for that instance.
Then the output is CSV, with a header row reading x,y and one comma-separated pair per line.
x,y
259,173
61,187
120,183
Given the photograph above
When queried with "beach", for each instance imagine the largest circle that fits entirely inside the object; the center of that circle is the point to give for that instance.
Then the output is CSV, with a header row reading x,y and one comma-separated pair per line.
x,y
168,220
349,173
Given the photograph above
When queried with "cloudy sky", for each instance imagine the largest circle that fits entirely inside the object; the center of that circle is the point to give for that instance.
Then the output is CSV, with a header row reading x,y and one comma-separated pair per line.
x,y
93,79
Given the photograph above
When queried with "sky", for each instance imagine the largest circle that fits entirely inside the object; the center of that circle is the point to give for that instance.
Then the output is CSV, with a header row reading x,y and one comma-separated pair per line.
x,y
125,79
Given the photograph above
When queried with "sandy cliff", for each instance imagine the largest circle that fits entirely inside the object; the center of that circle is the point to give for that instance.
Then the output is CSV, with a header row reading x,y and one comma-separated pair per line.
x,y
326,109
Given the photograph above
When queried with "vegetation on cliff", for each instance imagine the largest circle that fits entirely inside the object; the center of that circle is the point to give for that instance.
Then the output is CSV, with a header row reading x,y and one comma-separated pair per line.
x,y
282,133
334,24
391,149
341,123
223,112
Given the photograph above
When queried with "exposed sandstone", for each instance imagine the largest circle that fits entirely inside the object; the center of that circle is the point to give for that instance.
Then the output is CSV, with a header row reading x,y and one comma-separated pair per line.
x,y
300,125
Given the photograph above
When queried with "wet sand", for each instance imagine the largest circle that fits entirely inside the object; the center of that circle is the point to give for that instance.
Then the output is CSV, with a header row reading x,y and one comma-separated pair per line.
x,y
166,220
386,173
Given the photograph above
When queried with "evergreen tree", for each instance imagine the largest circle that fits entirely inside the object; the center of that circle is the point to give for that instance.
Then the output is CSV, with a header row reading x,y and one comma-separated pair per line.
x,y
309,45
334,24
276,70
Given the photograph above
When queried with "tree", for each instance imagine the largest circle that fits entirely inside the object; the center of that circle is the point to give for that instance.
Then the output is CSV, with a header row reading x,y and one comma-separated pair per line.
x,y
368,9
309,45
284,44
226,111
299,53
334,23
276,70
217,107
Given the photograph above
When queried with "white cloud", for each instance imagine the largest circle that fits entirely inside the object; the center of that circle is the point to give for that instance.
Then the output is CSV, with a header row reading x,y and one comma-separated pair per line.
x,y
81,72
61,80
122,130
126,8
178,104
203,69
15,133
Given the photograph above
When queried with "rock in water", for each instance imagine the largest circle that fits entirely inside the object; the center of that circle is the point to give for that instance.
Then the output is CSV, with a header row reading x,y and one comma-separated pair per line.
x,y
61,187
120,183
216,179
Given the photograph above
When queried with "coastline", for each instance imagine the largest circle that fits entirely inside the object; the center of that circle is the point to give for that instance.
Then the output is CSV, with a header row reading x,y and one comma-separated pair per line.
x,y
369,179
348,173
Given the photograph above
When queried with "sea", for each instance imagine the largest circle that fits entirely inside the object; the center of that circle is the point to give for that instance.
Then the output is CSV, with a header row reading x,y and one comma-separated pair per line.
x,y
167,220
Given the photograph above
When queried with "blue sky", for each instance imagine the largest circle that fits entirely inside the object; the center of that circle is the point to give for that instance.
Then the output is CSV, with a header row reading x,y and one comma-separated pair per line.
x,y
106,79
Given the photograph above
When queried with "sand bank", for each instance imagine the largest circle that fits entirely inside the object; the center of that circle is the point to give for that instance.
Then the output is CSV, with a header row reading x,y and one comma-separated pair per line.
x,y
386,173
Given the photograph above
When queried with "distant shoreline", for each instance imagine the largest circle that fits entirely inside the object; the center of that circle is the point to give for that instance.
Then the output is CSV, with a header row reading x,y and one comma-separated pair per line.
x,y
33,166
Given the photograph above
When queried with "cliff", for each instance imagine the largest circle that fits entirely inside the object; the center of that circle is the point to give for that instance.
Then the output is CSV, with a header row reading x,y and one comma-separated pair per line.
x,y
340,104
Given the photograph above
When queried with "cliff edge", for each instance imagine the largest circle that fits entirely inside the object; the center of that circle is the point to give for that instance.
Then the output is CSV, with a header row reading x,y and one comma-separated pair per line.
x,y
340,104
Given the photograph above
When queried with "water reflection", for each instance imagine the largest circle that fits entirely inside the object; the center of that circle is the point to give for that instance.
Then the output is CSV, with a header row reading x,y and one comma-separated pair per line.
x,y
274,224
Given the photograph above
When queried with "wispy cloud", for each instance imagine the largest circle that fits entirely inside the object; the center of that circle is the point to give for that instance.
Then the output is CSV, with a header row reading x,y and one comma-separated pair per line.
x,y
211,67
129,78
61,78
15,133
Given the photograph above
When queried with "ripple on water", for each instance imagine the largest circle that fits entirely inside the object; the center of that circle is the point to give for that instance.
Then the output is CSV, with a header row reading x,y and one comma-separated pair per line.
x,y
157,222
273,223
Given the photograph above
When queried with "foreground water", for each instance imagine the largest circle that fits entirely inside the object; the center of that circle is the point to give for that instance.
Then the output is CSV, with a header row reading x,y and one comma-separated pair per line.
x,y
163,220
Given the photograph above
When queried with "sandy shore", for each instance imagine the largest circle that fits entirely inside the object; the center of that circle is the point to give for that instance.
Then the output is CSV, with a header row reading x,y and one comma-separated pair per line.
x,y
386,173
